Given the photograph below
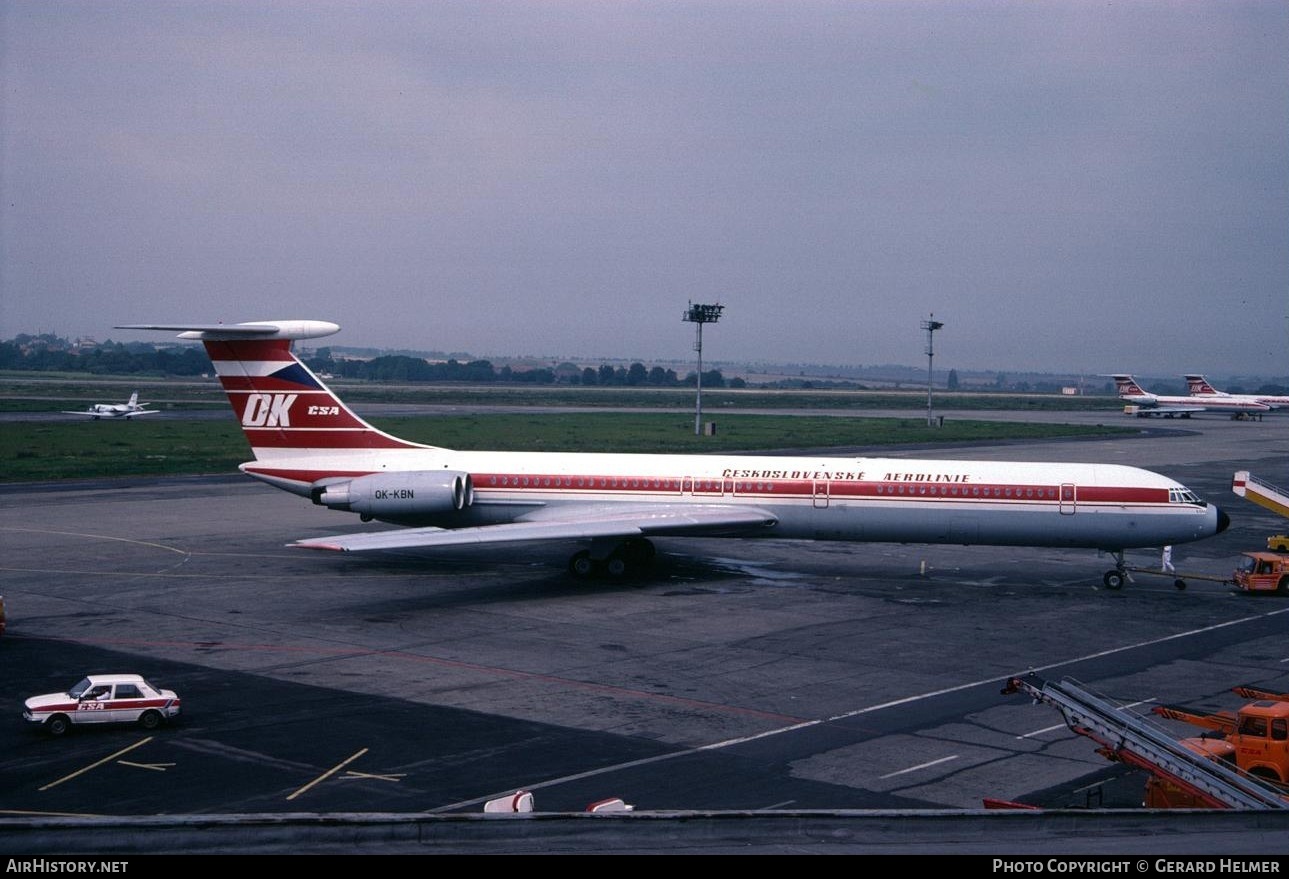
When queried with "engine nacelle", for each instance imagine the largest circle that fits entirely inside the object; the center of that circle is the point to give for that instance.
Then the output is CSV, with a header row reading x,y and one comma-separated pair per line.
x,y
399,496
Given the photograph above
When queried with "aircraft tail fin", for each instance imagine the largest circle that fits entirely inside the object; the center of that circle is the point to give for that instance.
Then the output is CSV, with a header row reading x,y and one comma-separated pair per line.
x,y
1126,385
285,410
1197,384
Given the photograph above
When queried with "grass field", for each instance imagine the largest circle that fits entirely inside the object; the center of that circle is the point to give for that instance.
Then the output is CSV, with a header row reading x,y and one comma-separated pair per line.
x,y
38,451
36,392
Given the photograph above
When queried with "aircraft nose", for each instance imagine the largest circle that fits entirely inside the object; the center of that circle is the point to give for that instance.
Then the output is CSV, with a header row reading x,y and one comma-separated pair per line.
x,y
1223,521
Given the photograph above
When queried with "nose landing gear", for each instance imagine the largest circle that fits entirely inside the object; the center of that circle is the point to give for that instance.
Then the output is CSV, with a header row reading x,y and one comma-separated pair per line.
x,y
1119,576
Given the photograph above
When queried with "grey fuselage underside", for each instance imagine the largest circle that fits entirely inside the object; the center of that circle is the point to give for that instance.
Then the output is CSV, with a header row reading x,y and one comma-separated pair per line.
x,y
1096,526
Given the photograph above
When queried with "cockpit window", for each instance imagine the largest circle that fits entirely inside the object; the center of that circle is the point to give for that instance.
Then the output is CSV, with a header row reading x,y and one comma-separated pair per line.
x,y
1181,495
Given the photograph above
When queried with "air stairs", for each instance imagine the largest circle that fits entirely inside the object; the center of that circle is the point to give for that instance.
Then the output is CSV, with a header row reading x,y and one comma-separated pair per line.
x,y
1130,738
1262,493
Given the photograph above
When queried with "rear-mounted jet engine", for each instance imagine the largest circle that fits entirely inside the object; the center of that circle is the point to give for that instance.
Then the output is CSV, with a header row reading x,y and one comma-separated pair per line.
x,y
399,497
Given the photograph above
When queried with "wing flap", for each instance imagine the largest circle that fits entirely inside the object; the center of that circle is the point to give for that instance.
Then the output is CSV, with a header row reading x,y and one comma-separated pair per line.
x,y
573,523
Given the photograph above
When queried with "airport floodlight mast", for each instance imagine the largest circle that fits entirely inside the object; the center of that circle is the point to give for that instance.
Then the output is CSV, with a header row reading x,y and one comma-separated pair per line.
x,y
930,325
699,315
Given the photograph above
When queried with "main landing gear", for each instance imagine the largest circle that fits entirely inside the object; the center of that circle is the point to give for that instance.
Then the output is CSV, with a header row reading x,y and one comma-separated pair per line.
x,y
616,560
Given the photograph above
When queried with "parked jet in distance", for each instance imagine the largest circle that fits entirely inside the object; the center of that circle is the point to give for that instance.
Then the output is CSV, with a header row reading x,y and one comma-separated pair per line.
x,y
1169,406
306,441
131,409
1201,390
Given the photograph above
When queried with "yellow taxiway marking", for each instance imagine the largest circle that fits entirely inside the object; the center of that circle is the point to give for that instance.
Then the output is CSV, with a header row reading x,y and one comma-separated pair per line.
x,y
148,543
95,765
330,772
155,767
390,776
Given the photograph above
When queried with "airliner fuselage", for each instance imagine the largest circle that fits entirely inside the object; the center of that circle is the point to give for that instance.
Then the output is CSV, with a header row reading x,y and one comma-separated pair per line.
x,y
307,441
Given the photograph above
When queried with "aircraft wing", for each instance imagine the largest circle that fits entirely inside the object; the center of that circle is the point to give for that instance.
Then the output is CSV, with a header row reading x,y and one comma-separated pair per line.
x,y
140,412
567,523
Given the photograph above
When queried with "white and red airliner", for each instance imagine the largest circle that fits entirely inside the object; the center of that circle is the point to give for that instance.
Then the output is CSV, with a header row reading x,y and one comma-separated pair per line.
x,y
1201,391
1131,392
306,441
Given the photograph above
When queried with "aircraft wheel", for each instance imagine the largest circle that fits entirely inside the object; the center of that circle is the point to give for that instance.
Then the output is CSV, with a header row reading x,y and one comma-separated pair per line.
x,y
1179,584
581,565
616,566
1113,579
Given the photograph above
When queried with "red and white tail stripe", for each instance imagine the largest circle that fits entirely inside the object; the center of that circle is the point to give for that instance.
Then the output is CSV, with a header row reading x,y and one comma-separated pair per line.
x,y
1126,385
282,405
1198,385
285,410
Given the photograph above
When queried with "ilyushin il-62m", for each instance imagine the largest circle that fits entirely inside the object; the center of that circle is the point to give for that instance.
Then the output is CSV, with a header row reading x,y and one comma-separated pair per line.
x,y
307,441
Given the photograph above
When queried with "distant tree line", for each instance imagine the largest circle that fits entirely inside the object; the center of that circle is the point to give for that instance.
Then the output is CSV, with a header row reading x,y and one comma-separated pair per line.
x,y
47,353
51,354
402,368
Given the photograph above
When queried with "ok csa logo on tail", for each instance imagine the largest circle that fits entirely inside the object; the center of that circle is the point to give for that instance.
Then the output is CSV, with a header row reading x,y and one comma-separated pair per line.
x,y
268,410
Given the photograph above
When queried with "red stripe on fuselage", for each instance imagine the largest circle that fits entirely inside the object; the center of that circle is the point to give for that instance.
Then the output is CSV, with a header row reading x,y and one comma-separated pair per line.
x,y
583,487
800,488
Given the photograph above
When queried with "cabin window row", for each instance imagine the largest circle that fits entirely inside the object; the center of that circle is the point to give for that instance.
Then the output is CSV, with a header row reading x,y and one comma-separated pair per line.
x,y
591,482
916,488
701,485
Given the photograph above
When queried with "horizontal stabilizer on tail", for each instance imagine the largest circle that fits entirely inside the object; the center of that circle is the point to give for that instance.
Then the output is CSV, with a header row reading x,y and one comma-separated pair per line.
x,y
262,329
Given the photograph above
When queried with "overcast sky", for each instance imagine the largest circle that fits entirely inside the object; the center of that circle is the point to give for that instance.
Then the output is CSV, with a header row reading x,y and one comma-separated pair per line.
x,y
1070,186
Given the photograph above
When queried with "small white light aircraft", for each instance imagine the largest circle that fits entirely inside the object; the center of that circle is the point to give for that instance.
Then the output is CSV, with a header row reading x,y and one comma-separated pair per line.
x,y
1201,390
131,409
1168,406
306,441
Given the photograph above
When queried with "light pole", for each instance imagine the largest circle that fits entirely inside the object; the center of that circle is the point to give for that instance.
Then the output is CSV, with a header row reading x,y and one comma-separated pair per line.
x,y
699,315
930,325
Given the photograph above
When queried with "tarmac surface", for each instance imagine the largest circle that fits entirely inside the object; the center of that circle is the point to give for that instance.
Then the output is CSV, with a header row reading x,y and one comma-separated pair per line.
x,y
819,697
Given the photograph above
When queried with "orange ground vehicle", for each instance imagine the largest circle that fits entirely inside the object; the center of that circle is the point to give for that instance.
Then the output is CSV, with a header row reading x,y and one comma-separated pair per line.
x,y
1228,768
1262,572
1255,739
